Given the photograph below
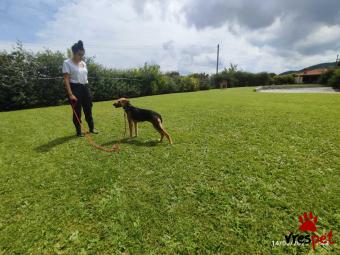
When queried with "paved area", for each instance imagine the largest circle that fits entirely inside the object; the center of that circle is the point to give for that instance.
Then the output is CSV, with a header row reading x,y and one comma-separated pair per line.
x,y
302,90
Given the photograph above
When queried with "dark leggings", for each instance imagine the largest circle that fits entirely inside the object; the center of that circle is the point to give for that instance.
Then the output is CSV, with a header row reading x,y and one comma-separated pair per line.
x,y
84,101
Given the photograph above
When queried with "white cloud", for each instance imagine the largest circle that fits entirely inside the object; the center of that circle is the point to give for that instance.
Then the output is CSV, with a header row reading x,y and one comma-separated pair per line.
x,y
128,33
121,36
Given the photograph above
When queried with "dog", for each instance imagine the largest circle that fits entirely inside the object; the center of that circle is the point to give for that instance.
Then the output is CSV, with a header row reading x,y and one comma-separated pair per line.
x,y
135,115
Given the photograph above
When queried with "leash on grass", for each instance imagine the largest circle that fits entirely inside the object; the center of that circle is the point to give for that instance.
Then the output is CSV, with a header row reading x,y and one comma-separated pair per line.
x,y
115,147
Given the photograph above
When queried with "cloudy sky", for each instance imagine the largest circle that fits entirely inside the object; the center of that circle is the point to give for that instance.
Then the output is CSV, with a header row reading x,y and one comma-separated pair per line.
x,y
258,35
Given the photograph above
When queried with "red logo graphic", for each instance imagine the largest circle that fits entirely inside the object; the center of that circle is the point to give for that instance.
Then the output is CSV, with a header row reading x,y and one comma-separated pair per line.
x,y
308,222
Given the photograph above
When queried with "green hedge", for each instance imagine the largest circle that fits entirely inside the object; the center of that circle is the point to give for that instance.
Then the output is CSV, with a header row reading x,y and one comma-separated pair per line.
x,y
331,78
239,78
30,79
334,80
33,80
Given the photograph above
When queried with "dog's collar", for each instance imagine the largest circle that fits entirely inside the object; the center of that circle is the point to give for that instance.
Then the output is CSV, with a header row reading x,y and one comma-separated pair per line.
x,y
127,107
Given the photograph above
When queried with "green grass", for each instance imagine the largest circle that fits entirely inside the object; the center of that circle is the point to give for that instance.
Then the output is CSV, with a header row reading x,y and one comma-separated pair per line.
x,y
243,167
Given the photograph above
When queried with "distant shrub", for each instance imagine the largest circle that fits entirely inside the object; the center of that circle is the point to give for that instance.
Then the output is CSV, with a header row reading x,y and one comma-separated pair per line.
x,y
203,79
324,78
334,80
238,78
283,79
31,80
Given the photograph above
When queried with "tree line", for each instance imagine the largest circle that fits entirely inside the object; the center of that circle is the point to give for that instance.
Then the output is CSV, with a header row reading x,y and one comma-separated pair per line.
x,y
30,80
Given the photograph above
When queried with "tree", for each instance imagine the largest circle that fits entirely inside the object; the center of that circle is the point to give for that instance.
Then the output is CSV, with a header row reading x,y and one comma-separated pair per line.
x,y
334,80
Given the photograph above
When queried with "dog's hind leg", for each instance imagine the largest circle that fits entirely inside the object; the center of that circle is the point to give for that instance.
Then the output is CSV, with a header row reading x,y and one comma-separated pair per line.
x,y
167,136
159,127
159,130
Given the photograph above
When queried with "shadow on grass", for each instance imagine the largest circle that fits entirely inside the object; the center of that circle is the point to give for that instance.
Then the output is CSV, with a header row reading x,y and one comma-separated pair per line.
x,y
55,142
60,140
133,142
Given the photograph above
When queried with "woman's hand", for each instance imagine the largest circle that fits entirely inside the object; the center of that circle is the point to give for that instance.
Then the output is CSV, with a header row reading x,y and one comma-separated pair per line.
x,y
73,98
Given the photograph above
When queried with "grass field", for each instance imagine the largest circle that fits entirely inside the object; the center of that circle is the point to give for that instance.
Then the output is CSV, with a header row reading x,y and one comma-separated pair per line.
x,y
243,167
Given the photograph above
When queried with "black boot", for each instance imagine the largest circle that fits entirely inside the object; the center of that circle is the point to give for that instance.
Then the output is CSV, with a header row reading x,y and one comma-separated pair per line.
x,y
80,134
78,130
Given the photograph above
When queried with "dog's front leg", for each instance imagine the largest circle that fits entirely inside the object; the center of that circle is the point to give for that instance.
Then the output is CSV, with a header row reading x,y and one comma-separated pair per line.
x,y
135,123
130,127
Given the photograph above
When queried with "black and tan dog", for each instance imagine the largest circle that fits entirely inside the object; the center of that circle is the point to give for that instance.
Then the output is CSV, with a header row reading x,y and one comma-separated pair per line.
x,y
135,115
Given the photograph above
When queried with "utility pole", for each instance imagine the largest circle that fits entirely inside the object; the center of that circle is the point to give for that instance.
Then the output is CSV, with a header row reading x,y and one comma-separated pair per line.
x,y
218,57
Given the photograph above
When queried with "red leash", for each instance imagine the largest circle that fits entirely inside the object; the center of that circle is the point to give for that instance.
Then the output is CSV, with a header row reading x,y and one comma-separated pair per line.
x,y
114,148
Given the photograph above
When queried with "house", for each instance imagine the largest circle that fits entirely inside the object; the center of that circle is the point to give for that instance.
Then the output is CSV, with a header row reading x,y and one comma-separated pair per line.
x,y
309,76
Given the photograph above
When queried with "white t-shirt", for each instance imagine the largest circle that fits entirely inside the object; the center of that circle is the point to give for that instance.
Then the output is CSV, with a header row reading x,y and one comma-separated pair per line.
x,y
78,73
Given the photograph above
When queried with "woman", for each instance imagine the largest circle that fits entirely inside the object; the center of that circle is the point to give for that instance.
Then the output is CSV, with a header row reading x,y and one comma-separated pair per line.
x,y
75,80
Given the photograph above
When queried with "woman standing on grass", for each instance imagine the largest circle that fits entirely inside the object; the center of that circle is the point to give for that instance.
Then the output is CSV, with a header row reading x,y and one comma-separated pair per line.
x,y
75,80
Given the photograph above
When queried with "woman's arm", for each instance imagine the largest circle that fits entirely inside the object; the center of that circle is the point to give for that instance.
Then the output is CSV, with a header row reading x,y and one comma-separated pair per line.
x,y
68,87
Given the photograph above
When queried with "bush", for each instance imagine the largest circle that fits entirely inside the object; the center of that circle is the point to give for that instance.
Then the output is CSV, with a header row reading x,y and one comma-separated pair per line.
x,y
203,79
237,78
32,80
283,79
25,79
334,80
324,78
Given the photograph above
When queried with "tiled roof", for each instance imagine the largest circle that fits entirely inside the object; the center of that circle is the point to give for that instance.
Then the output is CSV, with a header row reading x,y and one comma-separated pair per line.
x,y
313,72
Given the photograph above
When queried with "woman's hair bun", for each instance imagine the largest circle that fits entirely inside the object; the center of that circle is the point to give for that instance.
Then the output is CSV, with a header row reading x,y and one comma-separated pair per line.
x,y
80,44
